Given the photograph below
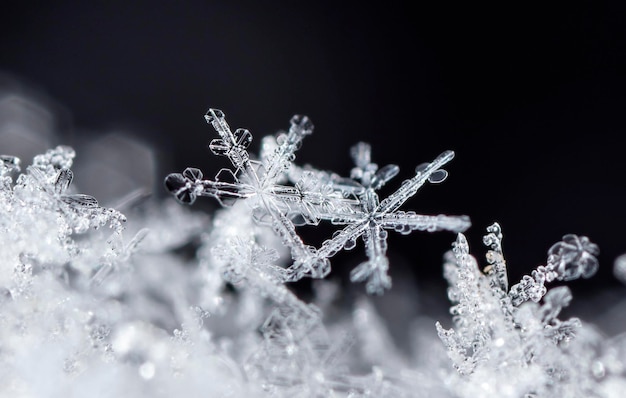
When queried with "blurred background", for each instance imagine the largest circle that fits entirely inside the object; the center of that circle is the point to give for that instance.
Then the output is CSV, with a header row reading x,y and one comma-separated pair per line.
x,y
530,96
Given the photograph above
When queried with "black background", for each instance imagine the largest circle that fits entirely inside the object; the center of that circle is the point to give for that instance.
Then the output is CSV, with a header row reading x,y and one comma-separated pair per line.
x,y
530,96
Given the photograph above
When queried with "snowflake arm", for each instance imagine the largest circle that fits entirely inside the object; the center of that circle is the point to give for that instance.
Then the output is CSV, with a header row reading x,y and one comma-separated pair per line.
x,y
405,222
375,269
496,270
311,200
572,258
344,239
431,172
471,309
279,160
232,145
306,259
189,185
318,200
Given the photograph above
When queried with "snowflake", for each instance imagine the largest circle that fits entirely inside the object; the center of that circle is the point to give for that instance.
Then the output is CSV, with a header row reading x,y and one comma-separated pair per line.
x,y
272,203
373,217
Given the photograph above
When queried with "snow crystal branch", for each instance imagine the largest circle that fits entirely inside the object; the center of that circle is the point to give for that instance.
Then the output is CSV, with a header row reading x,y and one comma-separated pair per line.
x,y
506,330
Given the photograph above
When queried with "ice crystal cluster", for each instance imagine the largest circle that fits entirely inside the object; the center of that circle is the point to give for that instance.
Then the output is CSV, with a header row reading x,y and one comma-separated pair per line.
x,y
315,196
104,302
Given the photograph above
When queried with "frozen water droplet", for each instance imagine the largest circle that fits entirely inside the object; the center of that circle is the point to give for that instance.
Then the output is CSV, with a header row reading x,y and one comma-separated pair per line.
x,y
598,370
438,176
421,167
281,139
361,154
384,174
302,122
350,244
388,172
147,370
619,268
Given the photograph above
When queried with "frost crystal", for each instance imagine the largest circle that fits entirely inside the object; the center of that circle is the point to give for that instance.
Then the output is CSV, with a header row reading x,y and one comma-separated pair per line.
x,y
315,196
43,198
371,217
506,330
272,203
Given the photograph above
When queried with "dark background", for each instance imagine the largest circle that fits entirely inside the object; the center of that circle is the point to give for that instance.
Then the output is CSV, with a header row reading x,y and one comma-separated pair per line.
x,y
530,96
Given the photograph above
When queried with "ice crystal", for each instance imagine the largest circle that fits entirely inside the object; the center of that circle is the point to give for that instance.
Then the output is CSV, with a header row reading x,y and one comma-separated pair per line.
x,y
315,196
505,329
371,218
41,201
271,203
